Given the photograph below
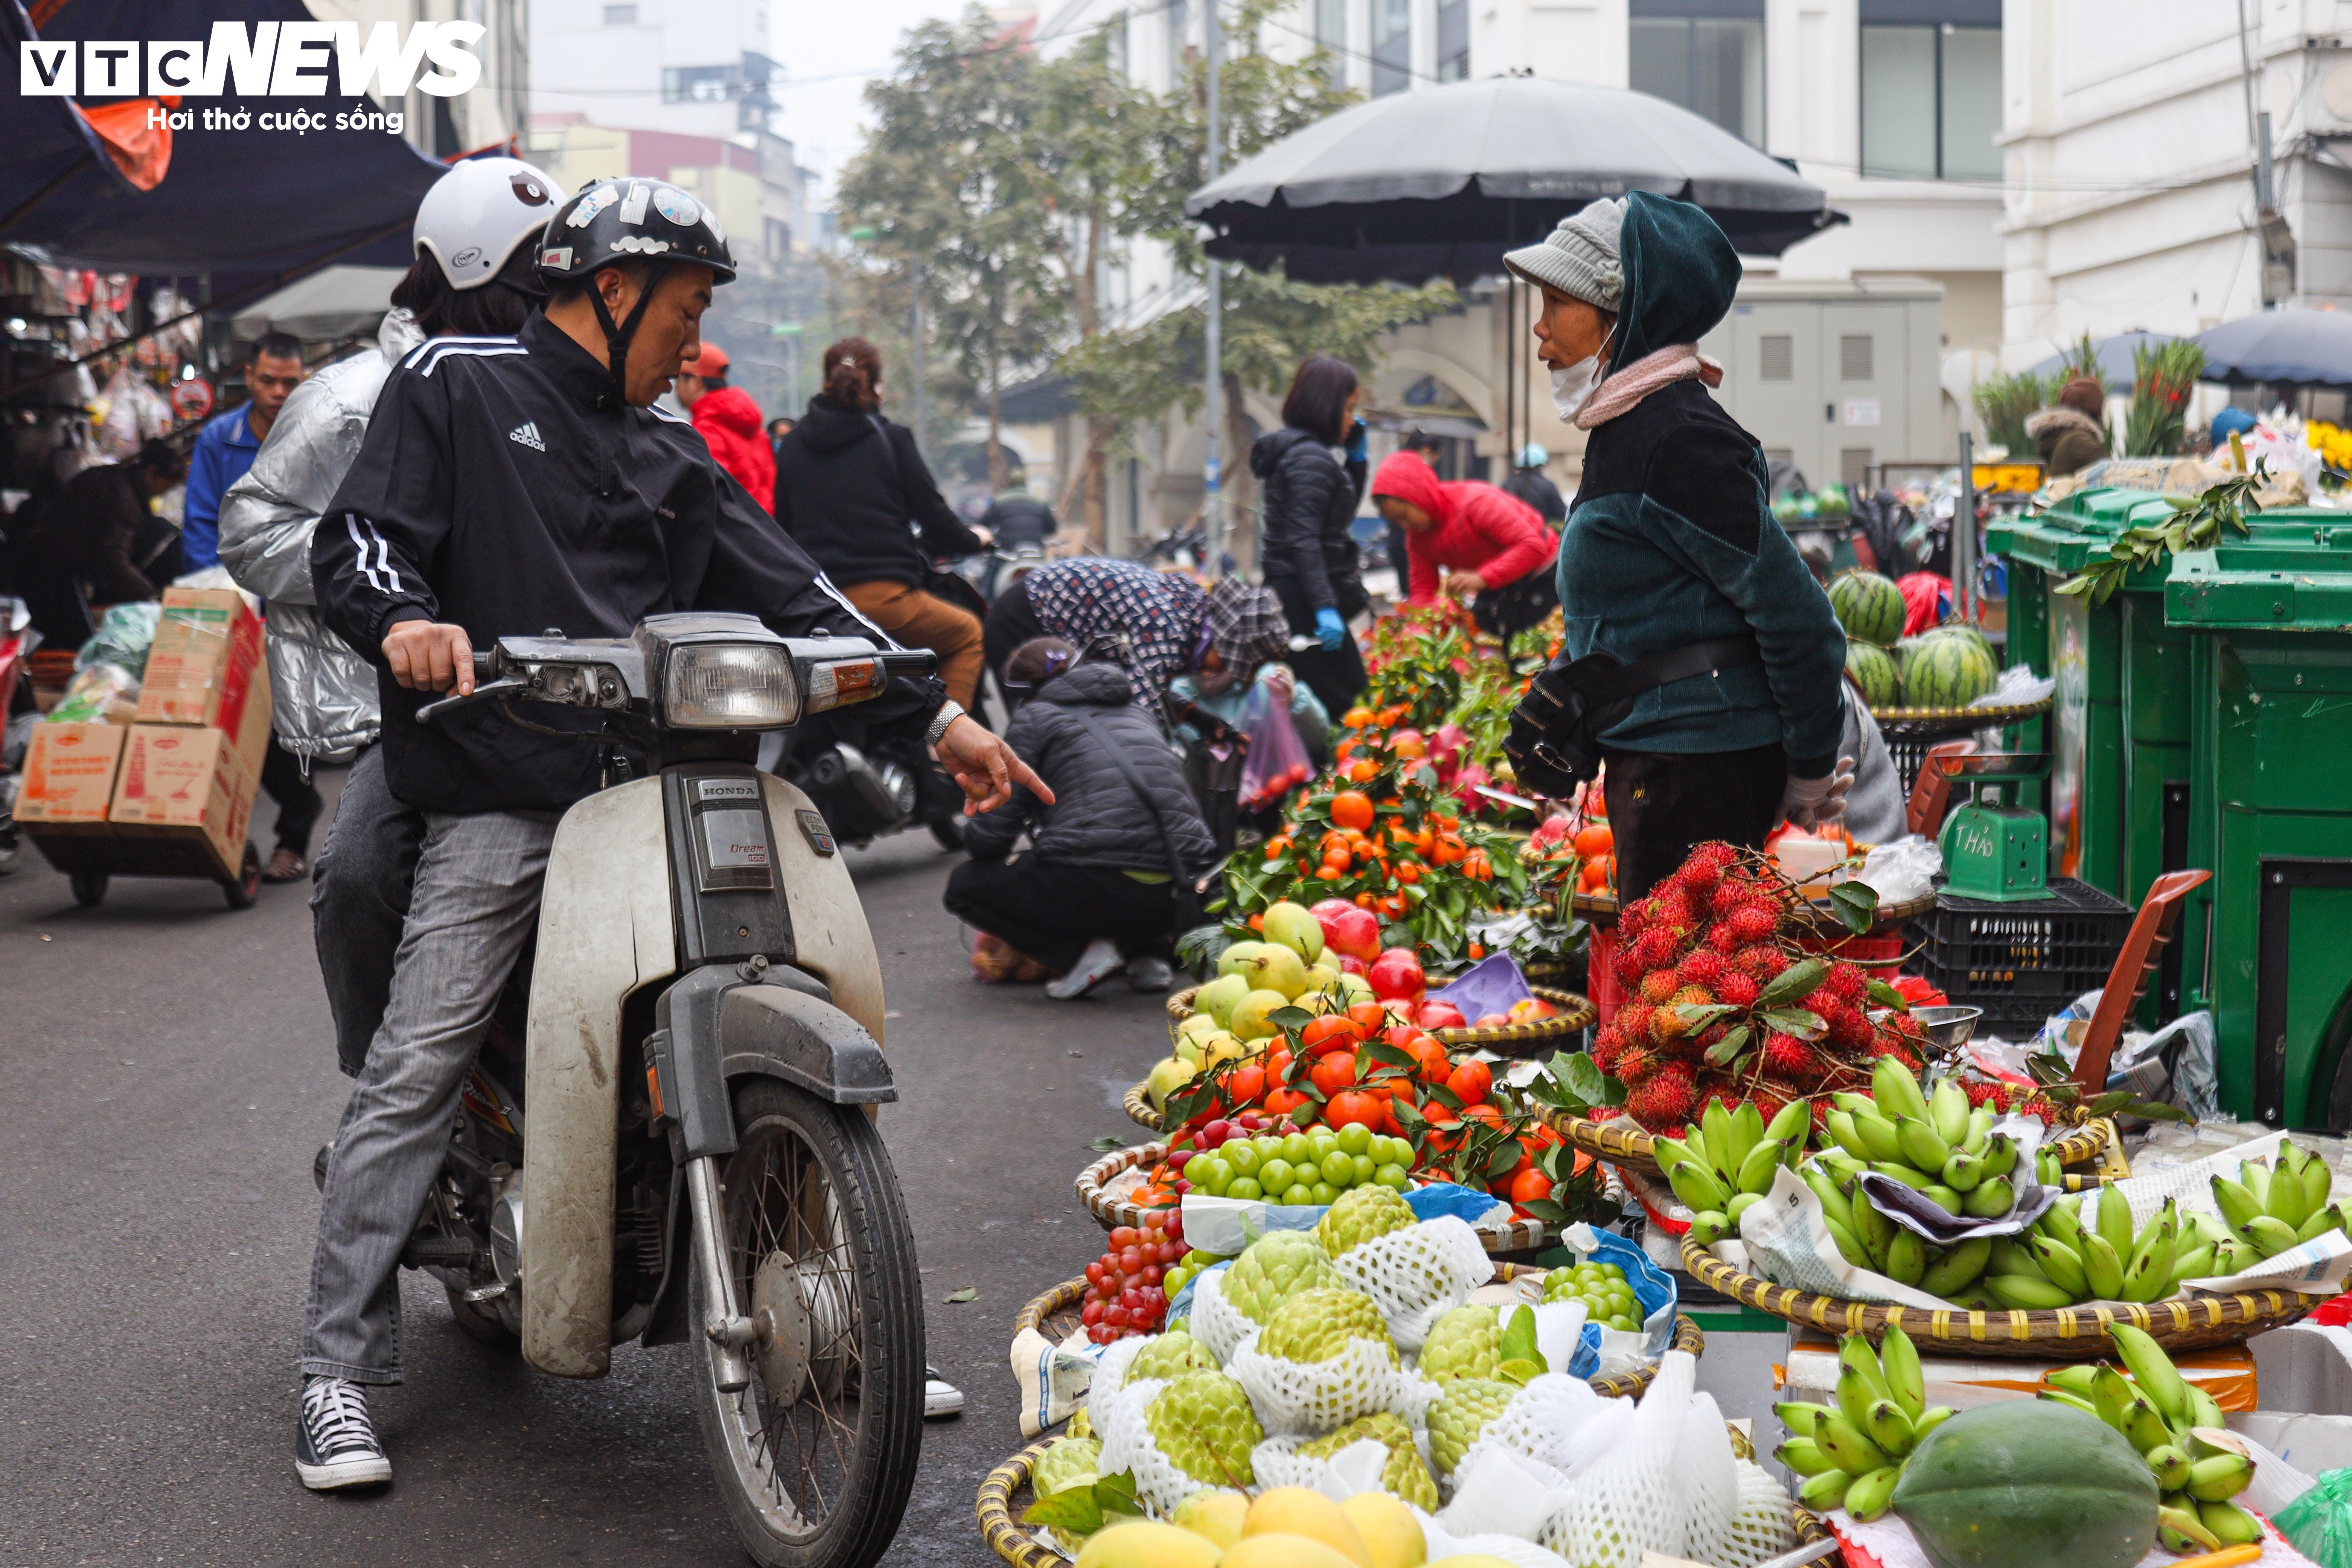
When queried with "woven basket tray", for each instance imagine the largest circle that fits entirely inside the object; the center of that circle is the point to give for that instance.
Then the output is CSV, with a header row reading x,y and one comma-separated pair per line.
x,y
1601,909
1571,1015
1944,721
1519,1236
2069,1333
1630,1147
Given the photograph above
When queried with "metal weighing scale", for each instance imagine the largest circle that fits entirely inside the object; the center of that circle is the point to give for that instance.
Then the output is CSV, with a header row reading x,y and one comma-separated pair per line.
x,y
1992,851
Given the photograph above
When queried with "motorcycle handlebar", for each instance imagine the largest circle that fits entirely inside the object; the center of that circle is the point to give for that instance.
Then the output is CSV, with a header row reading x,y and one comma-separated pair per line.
x,y
910,661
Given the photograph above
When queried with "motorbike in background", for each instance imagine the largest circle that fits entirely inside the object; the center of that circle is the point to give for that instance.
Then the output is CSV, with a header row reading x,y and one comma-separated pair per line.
x,y
17,716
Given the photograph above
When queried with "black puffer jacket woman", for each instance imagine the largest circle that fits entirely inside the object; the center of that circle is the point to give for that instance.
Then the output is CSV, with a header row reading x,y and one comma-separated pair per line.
x,y
1307,504
1097,874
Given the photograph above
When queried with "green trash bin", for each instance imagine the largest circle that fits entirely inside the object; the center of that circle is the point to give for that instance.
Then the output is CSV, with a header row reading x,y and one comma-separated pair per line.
x,y
2267,943
2117,796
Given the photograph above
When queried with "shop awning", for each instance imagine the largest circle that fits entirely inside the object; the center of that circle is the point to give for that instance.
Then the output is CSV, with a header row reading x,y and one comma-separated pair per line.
x,y
338,302
253,201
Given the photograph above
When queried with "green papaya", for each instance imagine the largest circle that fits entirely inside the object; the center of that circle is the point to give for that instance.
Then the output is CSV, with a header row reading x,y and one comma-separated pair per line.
x,y
2028,1483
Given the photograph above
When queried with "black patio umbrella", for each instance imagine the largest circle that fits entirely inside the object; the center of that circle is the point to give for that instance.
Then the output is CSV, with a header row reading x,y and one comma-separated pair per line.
x,y
1441,183
2310,348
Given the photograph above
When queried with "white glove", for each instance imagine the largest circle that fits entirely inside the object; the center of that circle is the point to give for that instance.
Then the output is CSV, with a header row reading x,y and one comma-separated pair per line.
x,y
1811,803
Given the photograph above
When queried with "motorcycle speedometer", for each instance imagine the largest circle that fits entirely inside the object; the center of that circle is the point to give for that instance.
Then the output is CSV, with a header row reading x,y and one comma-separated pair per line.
x,y
729,686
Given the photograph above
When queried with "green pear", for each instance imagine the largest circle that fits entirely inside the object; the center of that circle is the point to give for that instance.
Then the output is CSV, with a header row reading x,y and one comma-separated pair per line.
x,y
1220,1048
1296,927
1238,958
1355,989
1168,1075
1250,1020
1322,980
1215,1000
1274,967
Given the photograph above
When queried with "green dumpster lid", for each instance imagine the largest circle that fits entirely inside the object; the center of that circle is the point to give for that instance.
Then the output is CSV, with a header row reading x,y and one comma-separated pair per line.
x,y
2067,535
2280,578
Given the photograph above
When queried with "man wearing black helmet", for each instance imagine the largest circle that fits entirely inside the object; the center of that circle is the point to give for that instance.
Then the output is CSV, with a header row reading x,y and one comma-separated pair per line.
x,y
506,485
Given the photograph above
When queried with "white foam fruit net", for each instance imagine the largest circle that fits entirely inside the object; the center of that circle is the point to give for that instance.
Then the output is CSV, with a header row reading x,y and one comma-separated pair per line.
x,y
1309,1398
1556,1420
1128,1445
1217,1322
1419,1274
1355,1469
1109,1378
1632,1498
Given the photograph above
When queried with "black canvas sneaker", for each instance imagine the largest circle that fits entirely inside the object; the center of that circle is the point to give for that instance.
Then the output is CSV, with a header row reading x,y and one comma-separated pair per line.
x,y
334,1446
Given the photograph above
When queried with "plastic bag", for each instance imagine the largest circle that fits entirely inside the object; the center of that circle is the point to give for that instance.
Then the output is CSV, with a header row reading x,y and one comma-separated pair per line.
x,y
125,633
1902,869
2319,1523
1276,762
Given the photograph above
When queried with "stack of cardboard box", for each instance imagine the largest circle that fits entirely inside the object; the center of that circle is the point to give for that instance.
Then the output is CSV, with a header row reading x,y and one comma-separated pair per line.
x,y
185,769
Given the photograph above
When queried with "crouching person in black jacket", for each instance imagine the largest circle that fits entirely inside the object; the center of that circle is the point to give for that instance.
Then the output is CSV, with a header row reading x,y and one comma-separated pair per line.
x,y
1097,890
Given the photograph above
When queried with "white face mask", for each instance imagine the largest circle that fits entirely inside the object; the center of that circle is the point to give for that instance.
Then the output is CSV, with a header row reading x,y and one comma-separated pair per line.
x,y
1573,384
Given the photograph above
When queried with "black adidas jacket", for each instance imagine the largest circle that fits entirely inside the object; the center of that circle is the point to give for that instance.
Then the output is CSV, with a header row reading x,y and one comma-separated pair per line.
x,y
500,489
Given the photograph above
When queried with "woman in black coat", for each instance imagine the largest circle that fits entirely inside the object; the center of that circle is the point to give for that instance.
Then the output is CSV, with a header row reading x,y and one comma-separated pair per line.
x,y
1307,506
1096,890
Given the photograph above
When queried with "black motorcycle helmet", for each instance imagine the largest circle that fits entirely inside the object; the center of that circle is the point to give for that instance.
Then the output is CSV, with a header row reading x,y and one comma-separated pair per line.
x,y
630,220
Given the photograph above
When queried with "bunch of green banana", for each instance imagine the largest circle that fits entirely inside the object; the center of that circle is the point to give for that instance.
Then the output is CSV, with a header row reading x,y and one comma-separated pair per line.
x,y
1935,1144
1720,1167
1852,1454
2274,1207
2084,1248
2177,1429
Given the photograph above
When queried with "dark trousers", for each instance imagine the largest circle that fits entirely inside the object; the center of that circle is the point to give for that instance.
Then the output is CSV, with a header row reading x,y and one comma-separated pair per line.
x,y
1661,804
1508,611
360,889
1050,912
1336,676
298,804
1010,622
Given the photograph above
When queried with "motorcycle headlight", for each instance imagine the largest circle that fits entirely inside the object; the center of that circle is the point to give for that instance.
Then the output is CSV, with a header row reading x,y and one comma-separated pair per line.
x,y
729,686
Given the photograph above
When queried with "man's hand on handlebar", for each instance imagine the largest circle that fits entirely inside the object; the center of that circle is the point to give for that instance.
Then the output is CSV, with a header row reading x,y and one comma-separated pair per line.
x,y
986,767
427,656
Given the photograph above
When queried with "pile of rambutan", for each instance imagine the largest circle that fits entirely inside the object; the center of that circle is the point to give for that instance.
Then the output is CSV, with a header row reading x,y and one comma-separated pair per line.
x,y
1719,933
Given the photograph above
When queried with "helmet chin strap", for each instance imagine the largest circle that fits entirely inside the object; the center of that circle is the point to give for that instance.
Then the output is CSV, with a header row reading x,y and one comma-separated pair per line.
x,y
616,339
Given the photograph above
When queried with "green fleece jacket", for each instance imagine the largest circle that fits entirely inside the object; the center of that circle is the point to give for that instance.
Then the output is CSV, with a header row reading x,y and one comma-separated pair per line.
x,y
1670,541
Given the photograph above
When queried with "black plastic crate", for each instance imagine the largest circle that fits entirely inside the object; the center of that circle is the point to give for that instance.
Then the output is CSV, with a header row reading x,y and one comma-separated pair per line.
x,y
2021,962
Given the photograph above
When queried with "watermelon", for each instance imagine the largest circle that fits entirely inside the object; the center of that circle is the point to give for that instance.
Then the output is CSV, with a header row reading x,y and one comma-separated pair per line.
x,y
1873,668
1869,606
1949,669
2025,1484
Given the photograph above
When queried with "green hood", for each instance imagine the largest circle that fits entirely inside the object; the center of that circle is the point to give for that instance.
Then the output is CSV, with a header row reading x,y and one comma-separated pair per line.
x,y
1680,275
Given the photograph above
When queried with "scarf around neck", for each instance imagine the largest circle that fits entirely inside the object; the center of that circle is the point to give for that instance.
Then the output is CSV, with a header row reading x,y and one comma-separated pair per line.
x,y
1629,383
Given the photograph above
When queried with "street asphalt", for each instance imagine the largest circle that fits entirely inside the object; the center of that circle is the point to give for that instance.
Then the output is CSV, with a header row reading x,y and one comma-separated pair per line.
x,y
169,1073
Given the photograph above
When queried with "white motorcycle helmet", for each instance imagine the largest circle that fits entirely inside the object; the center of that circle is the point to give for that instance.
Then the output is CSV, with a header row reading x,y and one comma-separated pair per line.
x,y
475,216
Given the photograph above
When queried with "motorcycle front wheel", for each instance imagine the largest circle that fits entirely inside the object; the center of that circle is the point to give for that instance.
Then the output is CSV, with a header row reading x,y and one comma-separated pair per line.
x,y
816,1458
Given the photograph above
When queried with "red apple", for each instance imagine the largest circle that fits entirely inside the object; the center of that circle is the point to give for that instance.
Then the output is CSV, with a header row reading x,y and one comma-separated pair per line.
x,y
1396,974
1445,743
1466,787
1485,1021
1348,930
1442,1015
1348,963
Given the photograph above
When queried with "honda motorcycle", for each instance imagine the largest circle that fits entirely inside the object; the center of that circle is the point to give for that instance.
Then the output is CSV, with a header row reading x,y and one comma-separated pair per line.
x,y
668,1136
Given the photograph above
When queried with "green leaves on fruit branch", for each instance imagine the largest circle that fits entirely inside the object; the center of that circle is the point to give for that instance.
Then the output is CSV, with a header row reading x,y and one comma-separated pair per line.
x,y
1855,904
2196,524
1082,1510
1574,1082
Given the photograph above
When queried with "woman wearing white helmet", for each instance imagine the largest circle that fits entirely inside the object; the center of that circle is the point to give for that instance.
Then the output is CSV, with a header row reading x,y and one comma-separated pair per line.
x,y
475,274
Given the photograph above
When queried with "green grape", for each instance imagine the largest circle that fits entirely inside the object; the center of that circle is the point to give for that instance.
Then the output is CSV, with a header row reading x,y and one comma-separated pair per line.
x,y
1244,1187
1393,1177
1297,1194
1321,1193
1242,1157
1323,1141
1356,1139
1339,1168
1210,1176
1275,1176
1361,1169
1296,1148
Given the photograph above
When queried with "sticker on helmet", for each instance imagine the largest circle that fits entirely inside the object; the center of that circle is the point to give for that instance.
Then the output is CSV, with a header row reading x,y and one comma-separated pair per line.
x,y
468,256
558,258
633,207
641,244
677,205
591,203
710,221
529,190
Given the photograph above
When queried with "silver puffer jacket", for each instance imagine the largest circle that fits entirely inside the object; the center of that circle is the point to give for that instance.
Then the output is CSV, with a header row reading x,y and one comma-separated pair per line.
x,y
324,693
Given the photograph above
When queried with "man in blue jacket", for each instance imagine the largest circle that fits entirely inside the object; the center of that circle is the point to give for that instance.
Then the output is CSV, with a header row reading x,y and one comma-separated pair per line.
x,y
225,449
1670,547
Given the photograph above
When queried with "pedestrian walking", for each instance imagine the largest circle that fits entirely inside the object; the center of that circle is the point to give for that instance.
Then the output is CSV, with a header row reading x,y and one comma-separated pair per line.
x,y
1723,714
852,489
1306,548
1471,539
1115,857
728,423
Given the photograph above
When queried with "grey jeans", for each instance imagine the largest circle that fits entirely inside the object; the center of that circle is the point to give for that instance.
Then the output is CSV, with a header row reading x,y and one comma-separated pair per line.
x,y
359,887
474,903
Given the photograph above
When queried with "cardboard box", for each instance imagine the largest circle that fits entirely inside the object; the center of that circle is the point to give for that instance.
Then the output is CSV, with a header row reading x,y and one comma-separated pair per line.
x,y
207,668
69,773
183,783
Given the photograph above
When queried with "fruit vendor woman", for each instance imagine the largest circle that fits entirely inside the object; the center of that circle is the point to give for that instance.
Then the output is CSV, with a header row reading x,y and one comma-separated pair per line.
x,y
1722,714
1487,542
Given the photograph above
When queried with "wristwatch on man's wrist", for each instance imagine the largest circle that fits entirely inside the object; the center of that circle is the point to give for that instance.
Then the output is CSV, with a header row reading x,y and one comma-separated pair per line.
x,y
949,712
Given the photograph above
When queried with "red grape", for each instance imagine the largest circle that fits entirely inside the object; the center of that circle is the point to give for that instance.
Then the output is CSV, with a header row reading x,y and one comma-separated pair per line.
x,y
1122,1237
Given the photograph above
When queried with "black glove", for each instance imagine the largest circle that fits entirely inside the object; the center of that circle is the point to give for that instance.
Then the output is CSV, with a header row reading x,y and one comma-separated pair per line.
x,y
1538,767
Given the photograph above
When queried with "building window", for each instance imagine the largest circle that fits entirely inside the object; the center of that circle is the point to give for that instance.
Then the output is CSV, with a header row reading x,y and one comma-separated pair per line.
x,y
1331,33
1706,55
1453,41
1930,89
620,16
1391,46
1776,357
700,84
1855,357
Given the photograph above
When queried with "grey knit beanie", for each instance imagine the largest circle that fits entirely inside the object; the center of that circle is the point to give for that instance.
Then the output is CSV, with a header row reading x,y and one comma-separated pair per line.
x,y
1580,256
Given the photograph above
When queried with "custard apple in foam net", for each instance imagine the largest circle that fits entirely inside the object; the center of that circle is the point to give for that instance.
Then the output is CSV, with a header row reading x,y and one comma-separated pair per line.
x,y
1066,1462
1316,1326
1203,1423
1466,1342
1360,1215
1171,1355
1406,1475
1273,1268
1418,1274
1460,1414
